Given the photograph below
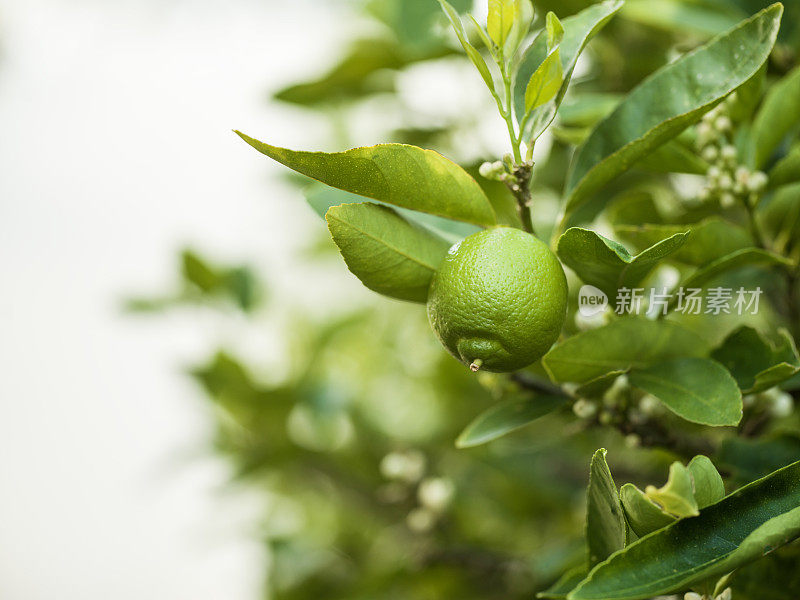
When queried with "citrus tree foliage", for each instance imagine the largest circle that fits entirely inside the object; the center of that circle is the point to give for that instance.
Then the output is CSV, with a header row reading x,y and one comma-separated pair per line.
x,y
654,448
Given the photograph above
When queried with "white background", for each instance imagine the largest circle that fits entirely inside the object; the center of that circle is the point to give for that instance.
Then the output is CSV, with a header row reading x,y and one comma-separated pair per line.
x,y
115,151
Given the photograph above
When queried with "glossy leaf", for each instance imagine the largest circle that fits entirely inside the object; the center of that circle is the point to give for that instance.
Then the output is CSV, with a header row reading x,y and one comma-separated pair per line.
x,y
523,16
507,417
578,30
565,584
740,258
777,115
735,531
643,515
754,362
676,497
620,345
500,20
697,389
472,52
607,264
545,82
707,240
388,253
678,15
706,481
397,174
605,521
665,104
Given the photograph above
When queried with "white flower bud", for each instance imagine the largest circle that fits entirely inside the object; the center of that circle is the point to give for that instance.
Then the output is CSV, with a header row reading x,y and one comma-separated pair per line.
x,y
649,405
758,181
782,406
742,175
713,173
710,153
727,200
704,194
705,133
406,466
749,400
570,388
421,520
723,124
584,409
492,170
692,596
725,182
728,153
726,594
435,493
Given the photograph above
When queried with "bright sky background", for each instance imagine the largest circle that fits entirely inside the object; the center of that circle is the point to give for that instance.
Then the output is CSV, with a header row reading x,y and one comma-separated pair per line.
x,y
116,150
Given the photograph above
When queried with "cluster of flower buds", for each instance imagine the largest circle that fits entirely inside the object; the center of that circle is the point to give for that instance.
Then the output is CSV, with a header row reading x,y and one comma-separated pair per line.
x,y
727,181
405,471
775,401
727,594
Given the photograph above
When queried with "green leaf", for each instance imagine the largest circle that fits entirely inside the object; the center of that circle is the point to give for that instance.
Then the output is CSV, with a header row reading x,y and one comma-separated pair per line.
x,y
500,20
707,240
697,389
666,103
321,197
397,174
388,253
673,157
707,482
740,258
755,363
786,170
676,497
523,16
777,115
743,527
605,521
608,265
781,216
555,31
472,52
643,515
545,82
620,345
578,30
507,417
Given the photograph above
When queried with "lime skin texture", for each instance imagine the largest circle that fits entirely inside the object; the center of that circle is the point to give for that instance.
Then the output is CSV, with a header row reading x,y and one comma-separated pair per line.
x,y
499,300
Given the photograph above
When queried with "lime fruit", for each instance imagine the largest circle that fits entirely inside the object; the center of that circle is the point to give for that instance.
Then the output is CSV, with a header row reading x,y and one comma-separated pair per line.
x,y
499,300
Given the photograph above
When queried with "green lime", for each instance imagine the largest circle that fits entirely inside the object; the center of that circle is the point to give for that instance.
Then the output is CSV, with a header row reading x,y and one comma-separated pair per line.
x,y
498,300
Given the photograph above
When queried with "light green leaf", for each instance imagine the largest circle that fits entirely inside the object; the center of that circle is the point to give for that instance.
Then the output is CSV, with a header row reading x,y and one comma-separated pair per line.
x,y
500,20
555,31
472,52
735,531
578,30
507,417
523,16
388,253
643,515
707,240
786,170
665,104
545,82
606,264
620,345
605,521
397,174
697,389
777,115
740,258
706,481
676,497
754,362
